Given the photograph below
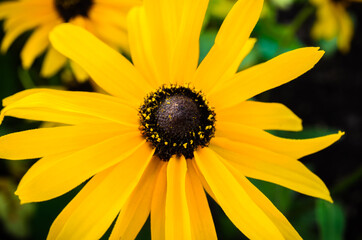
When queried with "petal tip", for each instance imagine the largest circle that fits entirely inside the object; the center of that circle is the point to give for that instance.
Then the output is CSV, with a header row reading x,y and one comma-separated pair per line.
x,y
17,193
21,197
318,54
26,61
325,194
4,48
321,52
339,135
328,197
3,51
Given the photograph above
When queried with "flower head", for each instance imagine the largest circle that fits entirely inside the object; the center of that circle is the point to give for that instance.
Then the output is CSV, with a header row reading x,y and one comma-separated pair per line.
x,y
169,130
104,18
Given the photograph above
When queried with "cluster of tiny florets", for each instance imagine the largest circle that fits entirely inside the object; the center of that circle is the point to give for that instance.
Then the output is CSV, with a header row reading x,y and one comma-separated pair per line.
x,y
176,120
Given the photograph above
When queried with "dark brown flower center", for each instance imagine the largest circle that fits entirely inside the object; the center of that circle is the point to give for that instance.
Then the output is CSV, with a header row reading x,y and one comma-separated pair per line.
x,y
176,120
177,115
69,9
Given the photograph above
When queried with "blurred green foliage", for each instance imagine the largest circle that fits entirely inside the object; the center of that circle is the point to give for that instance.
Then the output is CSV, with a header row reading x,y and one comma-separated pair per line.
x,y
330,218
14,216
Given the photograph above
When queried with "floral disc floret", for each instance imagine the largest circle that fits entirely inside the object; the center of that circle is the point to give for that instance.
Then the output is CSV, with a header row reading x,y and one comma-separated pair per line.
x,y
176,120
69,9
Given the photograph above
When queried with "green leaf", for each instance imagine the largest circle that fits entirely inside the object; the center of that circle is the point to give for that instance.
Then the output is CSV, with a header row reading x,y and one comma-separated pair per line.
x,y
330,219
308,132
14,217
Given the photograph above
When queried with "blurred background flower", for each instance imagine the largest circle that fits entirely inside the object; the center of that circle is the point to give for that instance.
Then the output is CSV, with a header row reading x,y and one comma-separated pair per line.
x,y
105,18
333,22
326,98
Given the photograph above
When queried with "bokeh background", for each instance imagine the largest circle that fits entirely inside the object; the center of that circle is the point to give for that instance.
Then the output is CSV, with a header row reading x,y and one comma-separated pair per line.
x,y
326,98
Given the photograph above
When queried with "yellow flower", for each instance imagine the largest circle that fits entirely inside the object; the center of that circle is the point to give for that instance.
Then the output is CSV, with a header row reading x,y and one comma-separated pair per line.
x,y
105,18
168,130
333,21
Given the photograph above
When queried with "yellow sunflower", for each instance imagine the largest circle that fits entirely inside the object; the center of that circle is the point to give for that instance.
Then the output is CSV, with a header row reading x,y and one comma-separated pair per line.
x,y
168,131
333,21
104,18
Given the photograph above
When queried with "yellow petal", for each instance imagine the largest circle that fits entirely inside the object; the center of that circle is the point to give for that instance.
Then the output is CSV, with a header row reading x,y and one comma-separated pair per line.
x,y
143,55
112,35
82,22
20,25
109,69
202,225
48,141
110,15
158,206
164,39
121,4
135,212
59,106
10,8
78,72
36,15
55,175
6,8
267,116
266,206
233,67
233,199
202,179
35,45
265,76
295,148
190,15
159,37
177,212
229,43
52,63
272,167
52,116
19,95
92,185
92,211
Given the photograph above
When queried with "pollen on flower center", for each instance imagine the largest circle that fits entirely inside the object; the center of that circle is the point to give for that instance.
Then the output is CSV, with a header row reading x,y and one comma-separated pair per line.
x,y
177,115
176,120
69,9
